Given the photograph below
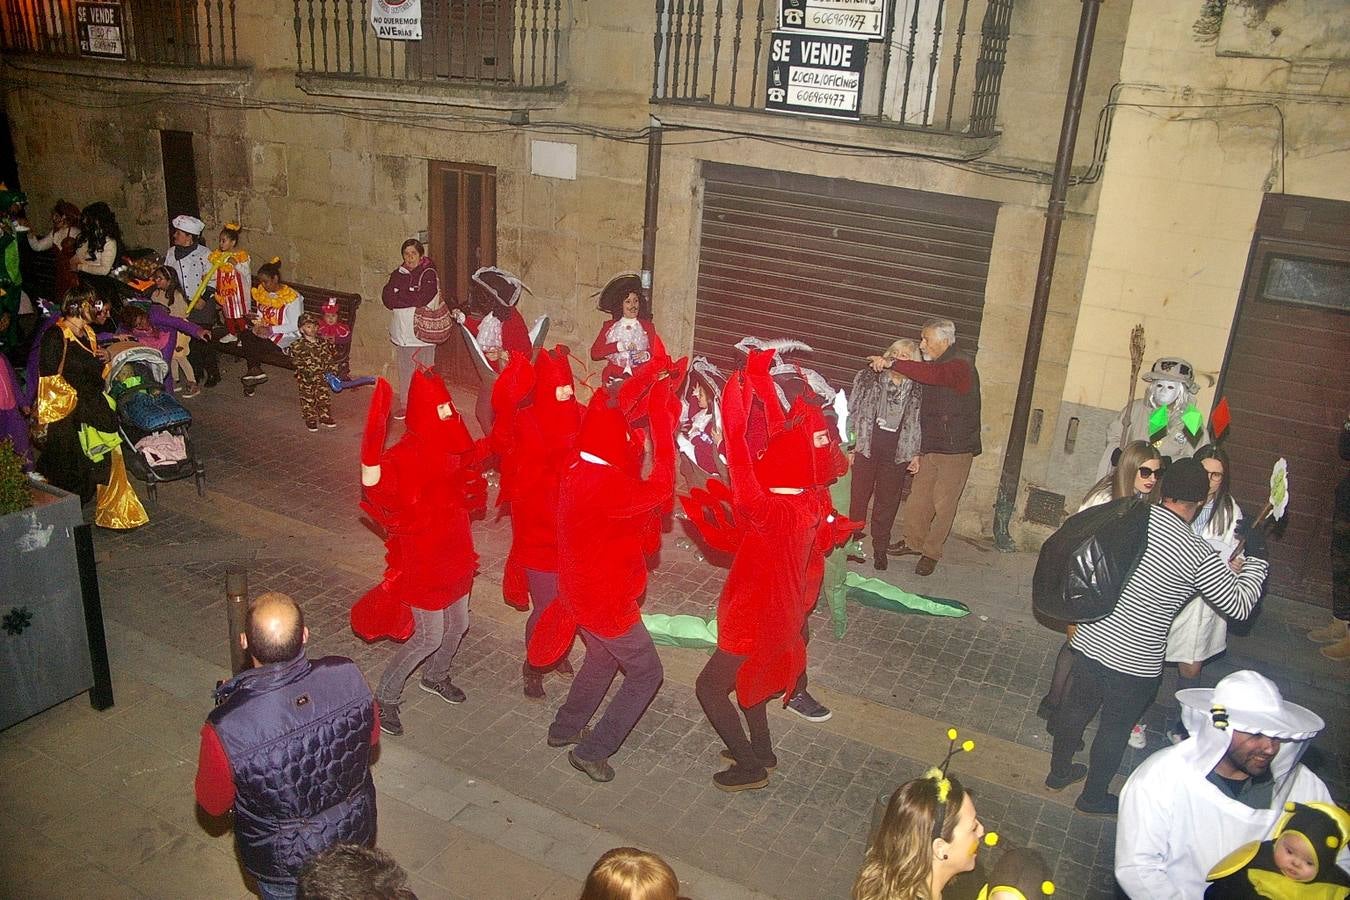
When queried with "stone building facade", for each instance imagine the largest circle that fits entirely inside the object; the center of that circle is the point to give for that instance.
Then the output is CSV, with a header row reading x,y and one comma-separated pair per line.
x,y
330,163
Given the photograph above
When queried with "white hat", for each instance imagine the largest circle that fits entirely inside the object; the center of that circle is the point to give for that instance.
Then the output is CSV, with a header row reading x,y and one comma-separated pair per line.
x,y
189,224
1248,701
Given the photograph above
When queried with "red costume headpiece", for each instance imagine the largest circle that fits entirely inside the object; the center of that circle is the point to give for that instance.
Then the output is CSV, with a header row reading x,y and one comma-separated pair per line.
x,y
605,435
432,415
559,418
791,459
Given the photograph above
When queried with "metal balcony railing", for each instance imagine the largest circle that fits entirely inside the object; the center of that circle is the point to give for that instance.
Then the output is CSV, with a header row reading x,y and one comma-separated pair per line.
x,y
715,53
498,43
165,32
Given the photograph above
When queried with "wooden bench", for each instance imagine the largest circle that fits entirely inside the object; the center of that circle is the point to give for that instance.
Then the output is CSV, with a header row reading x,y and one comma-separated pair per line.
x,y
315,298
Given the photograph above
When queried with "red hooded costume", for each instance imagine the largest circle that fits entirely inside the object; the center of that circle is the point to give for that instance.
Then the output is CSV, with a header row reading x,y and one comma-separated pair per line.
x,y
421,491
608,523
536,442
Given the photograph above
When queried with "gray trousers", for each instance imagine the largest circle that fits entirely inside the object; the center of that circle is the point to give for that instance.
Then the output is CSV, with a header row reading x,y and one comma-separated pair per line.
x,y
403,362
632,652
436,637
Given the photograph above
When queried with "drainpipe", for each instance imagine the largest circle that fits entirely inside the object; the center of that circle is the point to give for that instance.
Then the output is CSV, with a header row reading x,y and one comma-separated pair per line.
x,y
1054,219
652,204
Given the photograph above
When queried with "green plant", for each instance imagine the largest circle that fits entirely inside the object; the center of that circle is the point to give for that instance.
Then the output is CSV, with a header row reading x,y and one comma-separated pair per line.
x,y
14,492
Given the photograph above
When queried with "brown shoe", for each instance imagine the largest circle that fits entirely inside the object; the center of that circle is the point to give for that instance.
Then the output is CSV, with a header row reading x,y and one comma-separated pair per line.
x,y
925,565
1329,633
568,741
740,778
1339,651
597,770
769,762
900,548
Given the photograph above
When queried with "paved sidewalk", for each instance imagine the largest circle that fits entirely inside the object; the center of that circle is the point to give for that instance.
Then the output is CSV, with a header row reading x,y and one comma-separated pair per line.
x,y
471,799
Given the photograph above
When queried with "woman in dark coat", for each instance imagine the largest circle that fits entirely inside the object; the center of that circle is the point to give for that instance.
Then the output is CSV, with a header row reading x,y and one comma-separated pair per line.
x,y
70,349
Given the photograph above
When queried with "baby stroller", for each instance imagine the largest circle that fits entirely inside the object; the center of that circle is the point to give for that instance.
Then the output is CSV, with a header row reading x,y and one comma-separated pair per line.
x,y
154,425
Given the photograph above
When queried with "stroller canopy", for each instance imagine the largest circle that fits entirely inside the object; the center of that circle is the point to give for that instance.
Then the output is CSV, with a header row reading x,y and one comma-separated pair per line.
x,y
147,356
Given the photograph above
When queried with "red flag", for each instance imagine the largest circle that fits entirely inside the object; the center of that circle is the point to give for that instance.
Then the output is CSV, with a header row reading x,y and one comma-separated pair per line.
x,y
1219,418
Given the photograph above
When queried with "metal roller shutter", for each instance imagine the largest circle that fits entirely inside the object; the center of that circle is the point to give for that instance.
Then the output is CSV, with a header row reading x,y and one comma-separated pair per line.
x,y
845,266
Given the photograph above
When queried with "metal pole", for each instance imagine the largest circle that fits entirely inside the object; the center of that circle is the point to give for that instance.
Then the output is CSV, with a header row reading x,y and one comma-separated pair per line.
x,y
1054,219
652,205
236,609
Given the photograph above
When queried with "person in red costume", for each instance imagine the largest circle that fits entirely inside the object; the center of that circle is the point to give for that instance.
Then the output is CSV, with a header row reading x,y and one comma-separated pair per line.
x,y
608,523
628,340
495,330
421,491
786,524
536,438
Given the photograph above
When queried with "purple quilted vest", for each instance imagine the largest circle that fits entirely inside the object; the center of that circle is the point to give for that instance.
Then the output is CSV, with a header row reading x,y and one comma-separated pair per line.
x,y
297,734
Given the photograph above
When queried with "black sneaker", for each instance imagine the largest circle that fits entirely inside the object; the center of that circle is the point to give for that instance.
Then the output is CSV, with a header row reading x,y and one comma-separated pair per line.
x,y
768,762
534,682
1077,772
311,425
443,689
254,378
1105,805
599,770
741,778
389,720
809,708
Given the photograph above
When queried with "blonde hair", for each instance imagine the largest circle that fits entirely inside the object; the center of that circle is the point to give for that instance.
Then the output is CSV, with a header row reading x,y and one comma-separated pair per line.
x,y
899,861
627,873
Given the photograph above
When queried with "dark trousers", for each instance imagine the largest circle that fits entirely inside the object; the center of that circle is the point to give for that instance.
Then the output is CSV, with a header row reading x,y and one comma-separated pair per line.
x,y
543,591
634,654
879,479
204,359
1090,684
713,689
258,351
806,639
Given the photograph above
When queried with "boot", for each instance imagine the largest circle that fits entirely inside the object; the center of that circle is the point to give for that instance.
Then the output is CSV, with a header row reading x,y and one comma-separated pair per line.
x,y
1339,651
1328,633
534,682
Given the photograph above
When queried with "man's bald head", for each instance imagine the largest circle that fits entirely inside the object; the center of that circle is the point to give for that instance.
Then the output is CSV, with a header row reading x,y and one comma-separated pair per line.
x,y
276,628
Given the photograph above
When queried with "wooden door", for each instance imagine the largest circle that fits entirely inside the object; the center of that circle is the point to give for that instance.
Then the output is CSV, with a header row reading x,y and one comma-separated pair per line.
x,y
1285,380
463,224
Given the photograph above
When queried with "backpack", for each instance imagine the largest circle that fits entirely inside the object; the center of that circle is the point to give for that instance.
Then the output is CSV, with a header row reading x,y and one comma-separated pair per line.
x,y
1083,566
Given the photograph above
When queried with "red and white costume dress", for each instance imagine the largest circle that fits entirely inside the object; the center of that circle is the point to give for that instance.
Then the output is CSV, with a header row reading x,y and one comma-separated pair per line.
x,y
625,345
233,283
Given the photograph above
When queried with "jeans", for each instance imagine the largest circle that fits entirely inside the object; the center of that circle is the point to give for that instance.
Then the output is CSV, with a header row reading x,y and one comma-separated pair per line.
x,y
543,591
278,890
713,689
436,634
1090,683
632,652
879,479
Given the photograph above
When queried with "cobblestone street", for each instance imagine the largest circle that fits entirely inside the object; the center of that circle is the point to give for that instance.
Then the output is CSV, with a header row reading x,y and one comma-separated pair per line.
x,y
472,801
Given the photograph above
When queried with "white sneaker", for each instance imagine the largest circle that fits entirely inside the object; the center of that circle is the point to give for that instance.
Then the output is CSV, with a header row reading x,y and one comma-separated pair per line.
x,y
1137,739
228,339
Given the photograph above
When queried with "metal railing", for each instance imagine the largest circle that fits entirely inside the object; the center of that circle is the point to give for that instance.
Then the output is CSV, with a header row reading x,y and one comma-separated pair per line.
x,y
502,43
166,32
715,53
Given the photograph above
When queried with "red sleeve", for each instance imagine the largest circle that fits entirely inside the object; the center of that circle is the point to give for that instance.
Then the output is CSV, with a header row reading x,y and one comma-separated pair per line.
x,y
375,729
515,336
215,781
954,373
472,325
601,349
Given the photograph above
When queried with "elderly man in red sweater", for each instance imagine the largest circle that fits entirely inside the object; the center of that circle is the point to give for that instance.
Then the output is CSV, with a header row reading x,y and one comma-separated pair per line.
x,y
949,419
608,524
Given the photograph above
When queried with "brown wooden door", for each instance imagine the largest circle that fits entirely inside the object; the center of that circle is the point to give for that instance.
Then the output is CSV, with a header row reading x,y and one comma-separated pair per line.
x,y
463,225
845,266
1286,383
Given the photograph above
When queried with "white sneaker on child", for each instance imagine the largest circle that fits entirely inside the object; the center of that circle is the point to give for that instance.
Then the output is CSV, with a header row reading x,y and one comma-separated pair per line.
x,y
1137,739
228,339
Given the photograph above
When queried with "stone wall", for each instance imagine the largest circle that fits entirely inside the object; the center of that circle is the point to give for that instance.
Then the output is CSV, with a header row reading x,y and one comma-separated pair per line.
x,y
334,184
1193,150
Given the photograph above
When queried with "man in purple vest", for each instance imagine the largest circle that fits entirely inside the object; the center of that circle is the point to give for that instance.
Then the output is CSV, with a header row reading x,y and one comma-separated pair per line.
x,y
288,749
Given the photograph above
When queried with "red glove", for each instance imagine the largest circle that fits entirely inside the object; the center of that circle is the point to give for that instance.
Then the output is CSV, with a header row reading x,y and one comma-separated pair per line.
x,y
734,416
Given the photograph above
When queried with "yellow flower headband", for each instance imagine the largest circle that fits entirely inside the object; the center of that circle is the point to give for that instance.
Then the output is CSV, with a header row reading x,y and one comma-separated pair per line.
x,y
232,226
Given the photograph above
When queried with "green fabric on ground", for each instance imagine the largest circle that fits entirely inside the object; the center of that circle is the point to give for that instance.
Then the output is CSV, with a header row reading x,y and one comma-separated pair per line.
x,y
680,631
879,594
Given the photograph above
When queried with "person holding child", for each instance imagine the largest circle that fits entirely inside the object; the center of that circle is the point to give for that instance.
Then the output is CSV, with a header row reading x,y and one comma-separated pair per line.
x,y
314,358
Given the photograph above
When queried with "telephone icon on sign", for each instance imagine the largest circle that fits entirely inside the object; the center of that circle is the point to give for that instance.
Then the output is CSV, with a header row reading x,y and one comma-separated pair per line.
x,y
792,17
777,95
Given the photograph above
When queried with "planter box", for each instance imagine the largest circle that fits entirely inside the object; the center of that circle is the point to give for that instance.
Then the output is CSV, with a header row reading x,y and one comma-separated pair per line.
x,y
51,614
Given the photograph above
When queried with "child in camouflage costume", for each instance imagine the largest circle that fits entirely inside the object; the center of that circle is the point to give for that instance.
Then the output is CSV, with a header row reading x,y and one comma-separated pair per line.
x,y
314,358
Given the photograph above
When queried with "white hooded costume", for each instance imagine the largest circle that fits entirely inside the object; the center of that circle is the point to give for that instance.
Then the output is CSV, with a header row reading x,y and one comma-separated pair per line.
x,y
1171,383
1175,825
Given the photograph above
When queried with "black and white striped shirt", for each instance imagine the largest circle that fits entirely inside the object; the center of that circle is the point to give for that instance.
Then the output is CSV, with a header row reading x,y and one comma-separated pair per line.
x,y
1177,564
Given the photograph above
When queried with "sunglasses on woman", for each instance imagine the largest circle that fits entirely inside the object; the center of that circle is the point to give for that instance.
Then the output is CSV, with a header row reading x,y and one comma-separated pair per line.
x,y
1146,472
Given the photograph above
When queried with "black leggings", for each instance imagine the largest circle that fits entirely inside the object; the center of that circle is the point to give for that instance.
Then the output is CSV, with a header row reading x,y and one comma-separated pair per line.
x,y
713,689
1120,698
